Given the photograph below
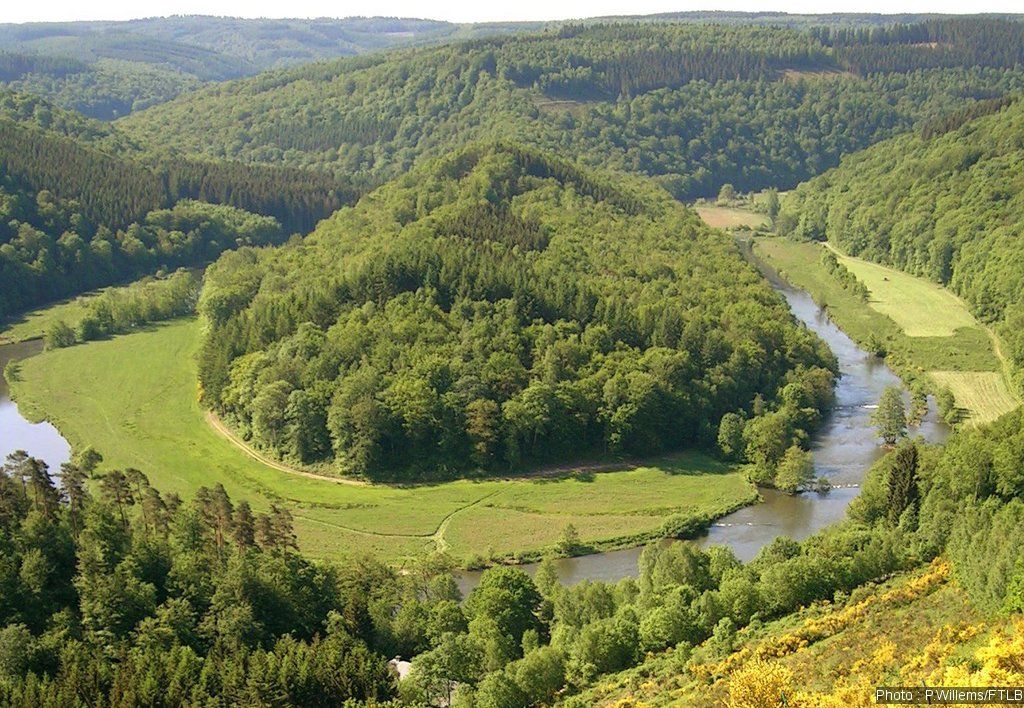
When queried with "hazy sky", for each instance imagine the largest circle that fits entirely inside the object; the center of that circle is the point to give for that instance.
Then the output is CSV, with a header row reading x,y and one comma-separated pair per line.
x,y
460,10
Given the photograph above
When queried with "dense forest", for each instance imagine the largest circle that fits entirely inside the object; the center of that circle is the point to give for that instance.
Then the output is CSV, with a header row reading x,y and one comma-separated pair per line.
x,y
748,105
80,207
115,592
109,69
497,307
944,203
50,250
694,105
116,182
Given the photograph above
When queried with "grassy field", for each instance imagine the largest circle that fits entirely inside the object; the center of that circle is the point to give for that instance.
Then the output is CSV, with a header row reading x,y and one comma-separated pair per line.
x,y
33,325
134,399
983,394
925,328
730,218
920,308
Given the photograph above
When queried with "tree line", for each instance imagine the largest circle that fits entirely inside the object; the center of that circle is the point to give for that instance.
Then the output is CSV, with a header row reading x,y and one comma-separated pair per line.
x,y
120,310
49,250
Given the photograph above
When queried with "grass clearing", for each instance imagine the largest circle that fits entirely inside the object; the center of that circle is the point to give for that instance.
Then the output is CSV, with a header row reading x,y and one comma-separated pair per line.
x,y
965,357
984,395
33,324
557,107
921,308
134,398
720,217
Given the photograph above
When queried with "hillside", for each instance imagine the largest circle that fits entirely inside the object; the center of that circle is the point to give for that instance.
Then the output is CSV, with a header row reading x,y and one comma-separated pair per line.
x,y
81,206
944,203
917,628
495,307
694,105
109,69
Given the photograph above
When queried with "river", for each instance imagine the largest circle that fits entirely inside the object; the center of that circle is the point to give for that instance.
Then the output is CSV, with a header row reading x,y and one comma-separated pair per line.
x,y
843,448
40,440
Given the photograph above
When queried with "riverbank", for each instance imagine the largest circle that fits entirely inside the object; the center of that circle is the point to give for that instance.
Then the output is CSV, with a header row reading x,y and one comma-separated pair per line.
x,y
927,333
134,398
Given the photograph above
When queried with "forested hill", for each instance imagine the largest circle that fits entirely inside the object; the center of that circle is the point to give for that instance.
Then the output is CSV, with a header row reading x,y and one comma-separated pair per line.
x,y
946,203
109,69
81,206
494,308
694,105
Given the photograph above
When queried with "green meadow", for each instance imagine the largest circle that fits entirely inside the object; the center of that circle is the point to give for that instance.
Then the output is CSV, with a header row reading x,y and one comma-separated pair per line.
x,y
134,399
928,332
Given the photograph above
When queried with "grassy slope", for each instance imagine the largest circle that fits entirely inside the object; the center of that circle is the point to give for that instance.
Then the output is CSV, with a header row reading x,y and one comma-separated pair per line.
x,y
926,329
920,308
719,217
134,399
902,632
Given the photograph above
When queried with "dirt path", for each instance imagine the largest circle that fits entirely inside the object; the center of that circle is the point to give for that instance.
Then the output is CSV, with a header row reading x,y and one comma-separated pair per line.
x,y
1006,368
218,425
545,472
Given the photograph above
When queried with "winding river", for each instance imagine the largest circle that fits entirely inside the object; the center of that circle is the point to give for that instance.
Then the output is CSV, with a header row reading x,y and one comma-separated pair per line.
x,y
843,449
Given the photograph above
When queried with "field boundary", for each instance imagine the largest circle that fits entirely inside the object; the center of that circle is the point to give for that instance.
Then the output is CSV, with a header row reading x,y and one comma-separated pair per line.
x,y
218,425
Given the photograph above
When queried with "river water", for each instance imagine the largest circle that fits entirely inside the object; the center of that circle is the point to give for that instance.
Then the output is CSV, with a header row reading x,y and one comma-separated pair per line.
x,y
843,449
41,440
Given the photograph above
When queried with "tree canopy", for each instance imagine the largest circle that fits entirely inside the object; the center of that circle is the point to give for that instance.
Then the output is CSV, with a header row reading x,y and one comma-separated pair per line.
x,y
496,307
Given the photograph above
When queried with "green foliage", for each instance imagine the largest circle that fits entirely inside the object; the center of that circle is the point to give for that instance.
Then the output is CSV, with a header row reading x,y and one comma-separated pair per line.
x,y
59,335
135,597
891,416
946,402
120,67
795,471
695,105
730,436
481,313
49,249
945,205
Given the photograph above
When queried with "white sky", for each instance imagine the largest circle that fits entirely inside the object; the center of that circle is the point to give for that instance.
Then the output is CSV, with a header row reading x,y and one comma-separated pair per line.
x,y
461,10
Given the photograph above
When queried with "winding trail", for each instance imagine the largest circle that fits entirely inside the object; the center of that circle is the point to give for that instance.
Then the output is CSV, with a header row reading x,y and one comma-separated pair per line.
x,y
225,432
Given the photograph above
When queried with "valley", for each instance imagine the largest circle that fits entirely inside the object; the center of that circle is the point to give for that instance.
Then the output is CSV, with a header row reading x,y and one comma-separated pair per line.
x,y
927,332
664,360
133,398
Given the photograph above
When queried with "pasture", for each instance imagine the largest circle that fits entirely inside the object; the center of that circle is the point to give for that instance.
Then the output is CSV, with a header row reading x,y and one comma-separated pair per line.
x,y
983,395
921,308
134,399
720,217
927,331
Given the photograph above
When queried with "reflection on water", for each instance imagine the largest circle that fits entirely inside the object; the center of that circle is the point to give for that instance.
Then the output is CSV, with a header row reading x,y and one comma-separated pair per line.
x,y
843,449
40,440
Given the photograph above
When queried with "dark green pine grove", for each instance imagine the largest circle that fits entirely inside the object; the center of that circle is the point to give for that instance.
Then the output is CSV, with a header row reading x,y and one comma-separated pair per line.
x,y
114,594
80,208
944,203
500,307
